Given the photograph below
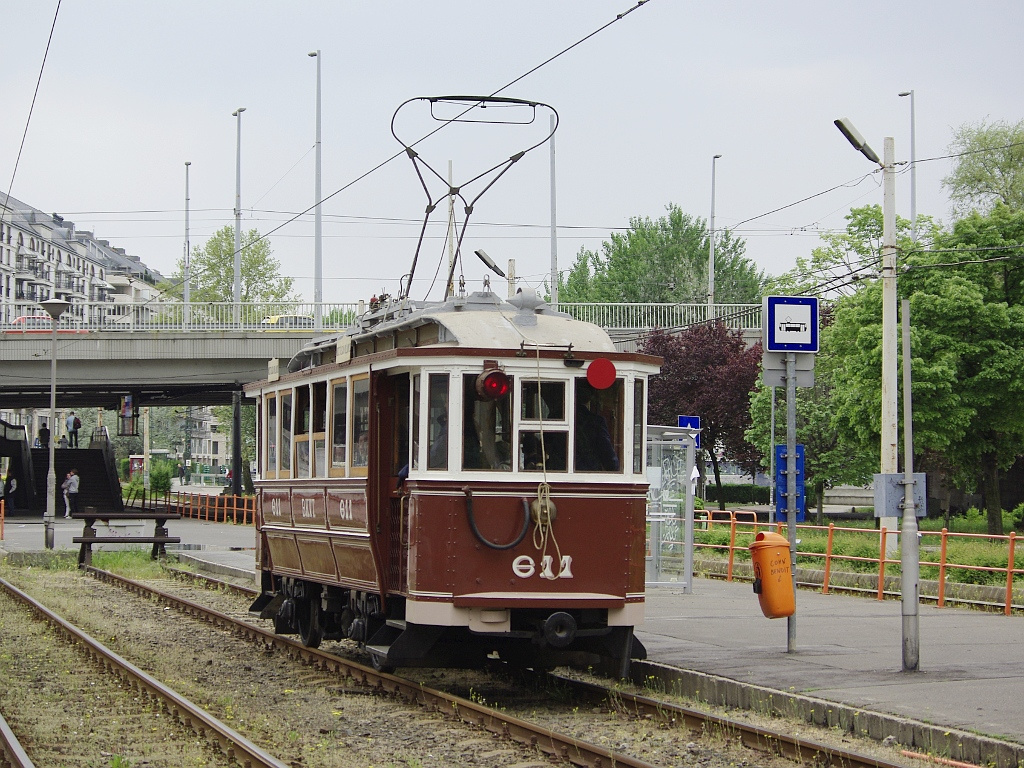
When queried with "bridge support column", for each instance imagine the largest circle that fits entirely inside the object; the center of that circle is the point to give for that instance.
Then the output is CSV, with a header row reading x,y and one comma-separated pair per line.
x,y
236,444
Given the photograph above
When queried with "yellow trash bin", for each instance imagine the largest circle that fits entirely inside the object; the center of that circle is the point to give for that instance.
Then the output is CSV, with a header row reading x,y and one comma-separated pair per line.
x,y
773,575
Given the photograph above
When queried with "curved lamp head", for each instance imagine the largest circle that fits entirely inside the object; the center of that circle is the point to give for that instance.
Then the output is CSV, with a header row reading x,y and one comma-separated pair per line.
x,y
55,307
853,136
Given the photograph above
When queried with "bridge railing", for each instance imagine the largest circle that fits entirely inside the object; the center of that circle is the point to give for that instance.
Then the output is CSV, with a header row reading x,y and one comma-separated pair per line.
x,y
666,316
300,316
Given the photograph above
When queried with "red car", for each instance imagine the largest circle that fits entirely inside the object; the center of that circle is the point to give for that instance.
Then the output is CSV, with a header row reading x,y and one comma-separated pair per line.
x,y
37,324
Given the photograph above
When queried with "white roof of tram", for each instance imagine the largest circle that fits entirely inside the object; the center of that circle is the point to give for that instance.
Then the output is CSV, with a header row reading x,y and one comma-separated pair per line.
x,y
524,321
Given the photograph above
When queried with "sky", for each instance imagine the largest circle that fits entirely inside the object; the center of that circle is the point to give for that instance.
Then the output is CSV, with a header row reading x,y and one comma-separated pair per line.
x,y
131,91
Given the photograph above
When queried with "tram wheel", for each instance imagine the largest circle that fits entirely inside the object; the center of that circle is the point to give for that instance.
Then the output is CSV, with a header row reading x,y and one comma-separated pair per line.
x,y
310,631
378,663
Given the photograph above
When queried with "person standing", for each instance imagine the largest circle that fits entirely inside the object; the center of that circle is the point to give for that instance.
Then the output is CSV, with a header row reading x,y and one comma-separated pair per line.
x,y
64,491
44,437
73,482
73,424
10,488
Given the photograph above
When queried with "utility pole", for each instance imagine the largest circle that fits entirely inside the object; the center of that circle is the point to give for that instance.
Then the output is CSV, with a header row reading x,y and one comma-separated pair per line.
x,y
238,219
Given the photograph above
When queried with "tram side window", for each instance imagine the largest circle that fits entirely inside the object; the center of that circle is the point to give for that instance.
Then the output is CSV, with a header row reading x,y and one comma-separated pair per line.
x,y
486,429
437,421
339,425
416,421
271,425
400,427
286,432
639,416
302,425
599,428
318,435
360,422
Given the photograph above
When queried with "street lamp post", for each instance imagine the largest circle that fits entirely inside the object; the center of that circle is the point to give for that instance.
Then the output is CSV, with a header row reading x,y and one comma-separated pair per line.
x,y
909,560
318,253
711,245
54,308
913,169
238,219
187,287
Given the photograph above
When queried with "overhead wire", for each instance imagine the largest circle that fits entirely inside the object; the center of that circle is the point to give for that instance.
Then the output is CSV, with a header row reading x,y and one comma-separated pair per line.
x,y
31,109
378,166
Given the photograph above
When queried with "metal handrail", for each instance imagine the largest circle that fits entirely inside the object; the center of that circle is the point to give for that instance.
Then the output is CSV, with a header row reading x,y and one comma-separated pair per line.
x,y
203,317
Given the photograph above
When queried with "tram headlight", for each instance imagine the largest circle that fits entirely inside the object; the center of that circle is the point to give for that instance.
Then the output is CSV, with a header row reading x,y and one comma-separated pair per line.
x,y
492,384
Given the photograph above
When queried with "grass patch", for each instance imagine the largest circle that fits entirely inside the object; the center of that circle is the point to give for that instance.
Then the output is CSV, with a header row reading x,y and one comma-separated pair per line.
x,y
131,563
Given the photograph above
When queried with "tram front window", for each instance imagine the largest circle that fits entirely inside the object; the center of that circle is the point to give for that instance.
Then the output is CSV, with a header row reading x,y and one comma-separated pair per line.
x,y
486,429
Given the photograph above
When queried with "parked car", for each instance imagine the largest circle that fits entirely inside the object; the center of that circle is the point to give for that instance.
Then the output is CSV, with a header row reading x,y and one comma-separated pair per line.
x,y
286,322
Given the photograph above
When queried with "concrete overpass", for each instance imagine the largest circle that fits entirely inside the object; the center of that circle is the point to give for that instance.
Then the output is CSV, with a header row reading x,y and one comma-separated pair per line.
x,y
156,368
206,364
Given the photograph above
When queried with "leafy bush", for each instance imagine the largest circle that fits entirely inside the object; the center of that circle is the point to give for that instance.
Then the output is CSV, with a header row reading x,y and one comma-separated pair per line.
x,y
739,494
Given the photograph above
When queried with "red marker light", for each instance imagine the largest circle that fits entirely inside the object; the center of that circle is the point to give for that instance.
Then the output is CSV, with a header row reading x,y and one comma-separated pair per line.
x,y
492,385
601,373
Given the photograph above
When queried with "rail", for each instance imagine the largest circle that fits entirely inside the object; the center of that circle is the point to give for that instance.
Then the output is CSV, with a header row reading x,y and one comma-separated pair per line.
x,y
214,508
867,553
295,317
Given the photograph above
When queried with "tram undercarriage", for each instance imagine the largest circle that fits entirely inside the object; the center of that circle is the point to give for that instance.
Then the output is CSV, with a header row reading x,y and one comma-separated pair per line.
x,y
539,639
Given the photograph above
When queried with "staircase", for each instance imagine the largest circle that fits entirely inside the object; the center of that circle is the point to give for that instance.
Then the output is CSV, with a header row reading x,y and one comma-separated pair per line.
x,y
97,487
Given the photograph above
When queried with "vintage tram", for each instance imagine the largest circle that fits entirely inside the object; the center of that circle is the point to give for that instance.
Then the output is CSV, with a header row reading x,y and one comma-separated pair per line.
x,y
457,480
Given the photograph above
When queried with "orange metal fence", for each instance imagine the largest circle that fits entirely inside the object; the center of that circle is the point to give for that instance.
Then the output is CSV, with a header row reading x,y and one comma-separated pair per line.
x,y
238,510
740,523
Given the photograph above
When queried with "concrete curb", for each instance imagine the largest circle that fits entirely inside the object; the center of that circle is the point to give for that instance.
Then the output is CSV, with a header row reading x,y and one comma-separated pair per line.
x,y
210,566
935,740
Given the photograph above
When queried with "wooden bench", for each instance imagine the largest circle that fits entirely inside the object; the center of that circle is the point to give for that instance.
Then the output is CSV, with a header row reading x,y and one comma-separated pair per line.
x,y
159,539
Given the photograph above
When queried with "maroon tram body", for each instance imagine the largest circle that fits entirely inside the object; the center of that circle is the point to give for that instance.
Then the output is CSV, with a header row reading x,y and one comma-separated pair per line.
x,y
452,481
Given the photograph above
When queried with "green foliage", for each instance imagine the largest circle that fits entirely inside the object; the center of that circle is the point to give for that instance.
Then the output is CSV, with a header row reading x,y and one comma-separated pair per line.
x,y
663,261
989,167
160,474
733,493
847,259
213,271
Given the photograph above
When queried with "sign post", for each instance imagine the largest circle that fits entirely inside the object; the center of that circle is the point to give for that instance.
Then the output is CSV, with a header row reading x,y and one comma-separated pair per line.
x,y
790,327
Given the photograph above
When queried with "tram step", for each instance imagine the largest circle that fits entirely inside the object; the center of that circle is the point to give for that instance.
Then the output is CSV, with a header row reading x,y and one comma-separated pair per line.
x,y
379,650
396,623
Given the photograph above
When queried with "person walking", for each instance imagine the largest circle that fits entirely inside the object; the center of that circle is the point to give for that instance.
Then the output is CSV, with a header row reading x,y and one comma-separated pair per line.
x,y
73,482
74,424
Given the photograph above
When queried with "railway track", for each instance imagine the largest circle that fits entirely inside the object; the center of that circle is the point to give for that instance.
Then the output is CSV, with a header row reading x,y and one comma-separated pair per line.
x,y
637,706
236,748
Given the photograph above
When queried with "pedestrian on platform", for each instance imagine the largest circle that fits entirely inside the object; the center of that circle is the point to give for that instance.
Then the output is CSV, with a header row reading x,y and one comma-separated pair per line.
x,y
44,436
74,424
64,490
73,483
10,491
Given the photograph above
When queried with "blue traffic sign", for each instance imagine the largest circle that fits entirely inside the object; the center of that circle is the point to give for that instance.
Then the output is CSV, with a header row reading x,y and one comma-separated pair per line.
x,y
690,422
782,486
790,323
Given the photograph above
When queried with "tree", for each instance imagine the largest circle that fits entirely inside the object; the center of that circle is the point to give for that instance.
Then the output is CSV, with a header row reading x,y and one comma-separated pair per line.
x,y
968,350
213,271
829,459
225,417
663,261
847,259
989,167
707,371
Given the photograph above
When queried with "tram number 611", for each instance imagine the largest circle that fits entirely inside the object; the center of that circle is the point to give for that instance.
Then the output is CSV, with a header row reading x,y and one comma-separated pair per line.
x,y
524,567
